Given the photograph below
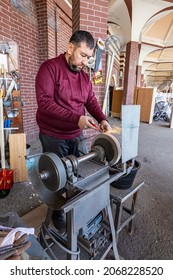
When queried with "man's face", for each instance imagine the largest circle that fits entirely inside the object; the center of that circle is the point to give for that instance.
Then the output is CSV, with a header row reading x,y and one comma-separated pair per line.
x,y
78,56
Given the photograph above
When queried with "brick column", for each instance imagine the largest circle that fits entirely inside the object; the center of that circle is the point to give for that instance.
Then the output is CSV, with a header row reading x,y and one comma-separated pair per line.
x,y
41,10
46,17
132,52
51,27
122,69
75,15
92,16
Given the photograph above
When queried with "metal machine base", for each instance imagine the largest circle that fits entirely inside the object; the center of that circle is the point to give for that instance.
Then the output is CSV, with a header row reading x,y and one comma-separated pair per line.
x,y
77,218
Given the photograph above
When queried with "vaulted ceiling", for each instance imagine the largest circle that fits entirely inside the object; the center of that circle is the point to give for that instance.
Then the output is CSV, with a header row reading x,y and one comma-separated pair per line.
x,y
149,22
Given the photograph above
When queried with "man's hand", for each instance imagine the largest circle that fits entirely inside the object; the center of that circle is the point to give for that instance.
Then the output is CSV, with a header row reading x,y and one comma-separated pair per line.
x,y
87,122
105,126
20,245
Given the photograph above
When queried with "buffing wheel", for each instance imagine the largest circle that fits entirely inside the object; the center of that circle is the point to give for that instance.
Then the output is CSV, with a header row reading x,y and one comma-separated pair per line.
x,y
110,146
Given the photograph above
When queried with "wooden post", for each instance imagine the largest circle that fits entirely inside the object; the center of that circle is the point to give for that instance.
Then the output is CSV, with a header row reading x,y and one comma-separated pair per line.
x,y
17,147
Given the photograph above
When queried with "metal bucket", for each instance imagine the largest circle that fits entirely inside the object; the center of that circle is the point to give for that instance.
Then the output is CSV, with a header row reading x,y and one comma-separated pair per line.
x,y
126,181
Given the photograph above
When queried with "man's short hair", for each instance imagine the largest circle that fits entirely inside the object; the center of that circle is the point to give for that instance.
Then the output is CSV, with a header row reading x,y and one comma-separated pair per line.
x,y
81,36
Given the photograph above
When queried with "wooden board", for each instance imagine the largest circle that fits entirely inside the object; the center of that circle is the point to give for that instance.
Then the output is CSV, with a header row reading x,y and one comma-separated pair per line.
x,y
135,97
116,103
17,148
36,217
146,99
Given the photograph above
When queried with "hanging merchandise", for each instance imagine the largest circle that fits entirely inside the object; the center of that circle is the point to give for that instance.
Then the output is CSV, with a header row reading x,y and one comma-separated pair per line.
x,y
98,64
90,65
9,77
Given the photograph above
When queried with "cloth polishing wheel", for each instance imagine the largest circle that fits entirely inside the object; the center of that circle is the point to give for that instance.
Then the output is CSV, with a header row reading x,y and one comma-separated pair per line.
x,y
110,145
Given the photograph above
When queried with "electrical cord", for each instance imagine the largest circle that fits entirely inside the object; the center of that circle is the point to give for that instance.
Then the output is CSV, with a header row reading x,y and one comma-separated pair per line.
x,y
58,243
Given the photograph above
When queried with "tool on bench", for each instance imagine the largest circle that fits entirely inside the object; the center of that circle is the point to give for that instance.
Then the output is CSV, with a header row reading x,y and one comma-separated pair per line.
x,y
96,126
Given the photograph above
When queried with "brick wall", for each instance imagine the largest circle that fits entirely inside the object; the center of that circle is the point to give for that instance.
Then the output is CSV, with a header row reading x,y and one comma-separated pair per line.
x,y
18,22
31,24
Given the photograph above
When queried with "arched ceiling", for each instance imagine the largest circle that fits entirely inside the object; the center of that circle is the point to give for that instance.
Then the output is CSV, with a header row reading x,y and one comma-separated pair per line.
x,y
149,22
159,30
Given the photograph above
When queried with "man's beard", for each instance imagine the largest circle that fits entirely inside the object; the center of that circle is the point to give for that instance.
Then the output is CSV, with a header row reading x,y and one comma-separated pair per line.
x,y
73,67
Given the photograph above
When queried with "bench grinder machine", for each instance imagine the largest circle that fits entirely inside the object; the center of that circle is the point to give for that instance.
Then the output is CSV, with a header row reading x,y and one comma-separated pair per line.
x,y
80,187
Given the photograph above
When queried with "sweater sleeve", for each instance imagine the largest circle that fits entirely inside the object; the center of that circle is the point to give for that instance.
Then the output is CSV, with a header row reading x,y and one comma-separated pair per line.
x,y
45,89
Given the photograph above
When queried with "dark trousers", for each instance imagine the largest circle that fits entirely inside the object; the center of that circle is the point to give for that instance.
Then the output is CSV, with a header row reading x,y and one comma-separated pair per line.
x,y
61,147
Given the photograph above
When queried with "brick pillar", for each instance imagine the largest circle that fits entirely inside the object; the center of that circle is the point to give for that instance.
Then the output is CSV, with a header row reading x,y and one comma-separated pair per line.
x,y
75,15
46,18
122,69
92,16
130,72
51,23
41,10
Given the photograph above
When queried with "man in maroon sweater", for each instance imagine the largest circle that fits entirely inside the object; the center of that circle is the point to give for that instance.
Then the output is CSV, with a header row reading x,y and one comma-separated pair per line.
x,y
64,91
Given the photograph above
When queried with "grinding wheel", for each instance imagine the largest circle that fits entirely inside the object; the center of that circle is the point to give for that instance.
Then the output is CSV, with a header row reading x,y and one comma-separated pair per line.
x,y
53,171
53,199
110,145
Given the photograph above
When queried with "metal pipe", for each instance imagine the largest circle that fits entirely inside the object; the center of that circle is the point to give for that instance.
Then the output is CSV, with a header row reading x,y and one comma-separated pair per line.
x,y
87,156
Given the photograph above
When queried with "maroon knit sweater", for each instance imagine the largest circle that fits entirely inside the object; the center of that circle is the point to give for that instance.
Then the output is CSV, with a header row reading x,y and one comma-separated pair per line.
x,y
62,96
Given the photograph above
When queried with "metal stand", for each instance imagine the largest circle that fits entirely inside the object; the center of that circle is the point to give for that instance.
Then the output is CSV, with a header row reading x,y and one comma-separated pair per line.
x,y
77,217
118,197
